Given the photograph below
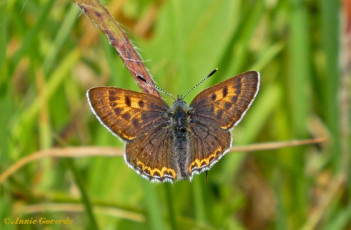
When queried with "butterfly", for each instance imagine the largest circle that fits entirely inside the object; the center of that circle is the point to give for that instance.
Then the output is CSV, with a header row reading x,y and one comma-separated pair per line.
x,y
169,143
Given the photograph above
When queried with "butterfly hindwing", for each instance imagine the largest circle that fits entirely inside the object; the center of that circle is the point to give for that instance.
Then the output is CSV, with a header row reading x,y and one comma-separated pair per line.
x,y
208,144
149,155
126,113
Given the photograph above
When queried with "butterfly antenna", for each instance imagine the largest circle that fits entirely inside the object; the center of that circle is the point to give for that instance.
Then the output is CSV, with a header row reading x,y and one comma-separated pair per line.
x,y
213,72
154,86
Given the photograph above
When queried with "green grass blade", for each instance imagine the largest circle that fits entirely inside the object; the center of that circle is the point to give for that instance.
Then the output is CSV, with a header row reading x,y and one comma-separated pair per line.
x,y
85,198
61,37
30,38
330,15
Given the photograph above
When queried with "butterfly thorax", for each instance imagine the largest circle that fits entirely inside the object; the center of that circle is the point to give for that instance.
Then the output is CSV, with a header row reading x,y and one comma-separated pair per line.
x,y
179,113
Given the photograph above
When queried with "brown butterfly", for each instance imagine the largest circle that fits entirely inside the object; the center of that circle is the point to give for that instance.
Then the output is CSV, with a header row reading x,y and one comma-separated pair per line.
x,y
166,143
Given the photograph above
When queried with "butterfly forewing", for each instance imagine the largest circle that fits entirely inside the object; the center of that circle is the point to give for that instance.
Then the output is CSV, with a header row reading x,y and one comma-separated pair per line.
x,y
224,104
126,113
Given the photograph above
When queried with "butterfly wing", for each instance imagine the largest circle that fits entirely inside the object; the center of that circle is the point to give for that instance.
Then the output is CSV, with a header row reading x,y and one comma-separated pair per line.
x,y
216,110
226,103
127,113
149,155
139,119
208,145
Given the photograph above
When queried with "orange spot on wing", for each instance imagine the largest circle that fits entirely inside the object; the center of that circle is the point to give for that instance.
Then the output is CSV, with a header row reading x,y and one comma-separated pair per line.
x,y
153,171
198,163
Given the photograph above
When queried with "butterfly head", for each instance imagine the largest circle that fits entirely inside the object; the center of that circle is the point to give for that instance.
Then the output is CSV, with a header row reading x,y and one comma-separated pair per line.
x,y
179,102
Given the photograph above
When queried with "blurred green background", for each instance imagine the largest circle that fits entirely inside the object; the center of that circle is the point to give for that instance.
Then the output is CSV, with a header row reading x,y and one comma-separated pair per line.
x,y
51,54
